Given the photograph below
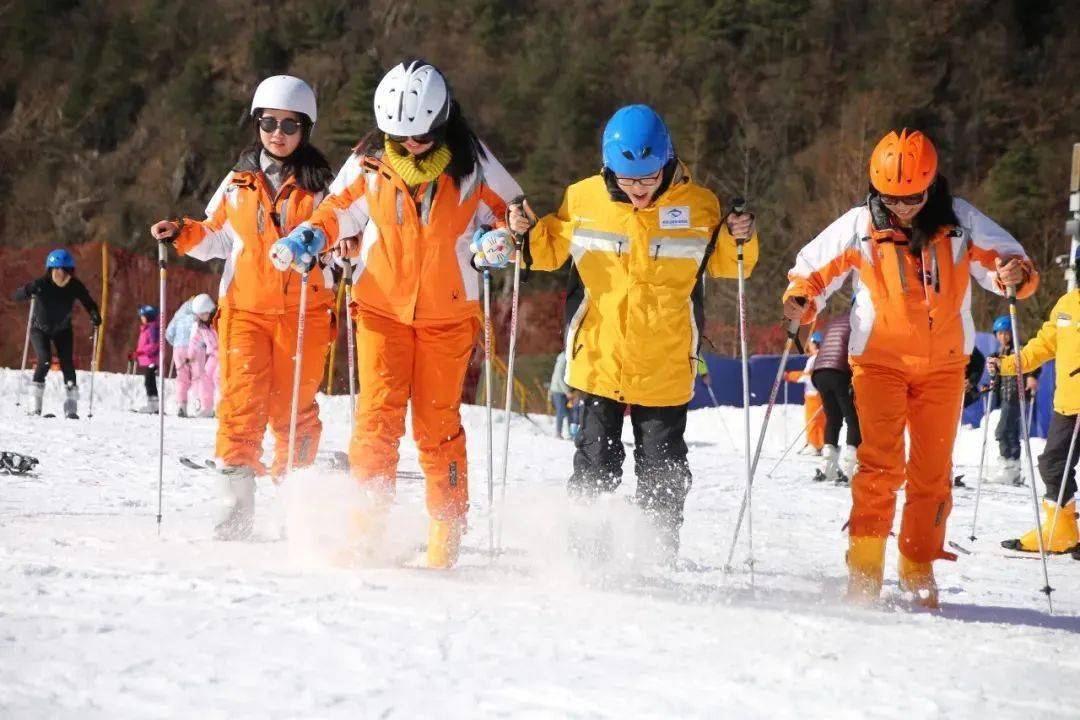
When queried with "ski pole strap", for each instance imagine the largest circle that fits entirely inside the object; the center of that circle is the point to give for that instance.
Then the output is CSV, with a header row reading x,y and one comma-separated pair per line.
x,y
793,329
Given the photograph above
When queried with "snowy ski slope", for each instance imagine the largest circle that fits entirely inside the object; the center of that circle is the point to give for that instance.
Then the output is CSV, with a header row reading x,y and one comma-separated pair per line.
x,y
102,618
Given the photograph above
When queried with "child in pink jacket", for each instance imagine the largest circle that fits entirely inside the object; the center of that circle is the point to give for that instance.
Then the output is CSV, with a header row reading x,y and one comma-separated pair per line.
x,y
146,354
202,354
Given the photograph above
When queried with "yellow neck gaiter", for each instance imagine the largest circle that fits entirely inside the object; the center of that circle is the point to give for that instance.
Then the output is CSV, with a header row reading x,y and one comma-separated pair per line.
x,y
413,170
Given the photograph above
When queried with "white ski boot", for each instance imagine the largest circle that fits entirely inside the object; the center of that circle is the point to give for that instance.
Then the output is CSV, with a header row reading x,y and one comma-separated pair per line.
x,y
150,408
1007,472
37,397
829,469
71,402
236,515
849,464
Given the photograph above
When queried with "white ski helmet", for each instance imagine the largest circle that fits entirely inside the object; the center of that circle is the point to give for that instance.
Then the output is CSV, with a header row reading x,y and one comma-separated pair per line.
x,y
412,99
285,92
202,303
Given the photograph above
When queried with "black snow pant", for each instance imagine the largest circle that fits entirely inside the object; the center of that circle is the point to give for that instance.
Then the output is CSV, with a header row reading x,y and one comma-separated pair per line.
x,y
1054,455
150,379
663,473
63,341
1007,433
839,403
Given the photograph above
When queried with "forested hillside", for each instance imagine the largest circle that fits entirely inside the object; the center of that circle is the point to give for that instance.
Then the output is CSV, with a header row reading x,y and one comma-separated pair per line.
x,y
113,114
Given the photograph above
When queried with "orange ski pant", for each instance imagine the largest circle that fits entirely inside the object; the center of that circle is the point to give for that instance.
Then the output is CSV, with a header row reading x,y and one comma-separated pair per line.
x,y
925,401
426,363
815,421
257,353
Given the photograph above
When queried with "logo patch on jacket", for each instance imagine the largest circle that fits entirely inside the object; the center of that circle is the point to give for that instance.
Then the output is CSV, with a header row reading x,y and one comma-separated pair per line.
x,y
673,217
1064,320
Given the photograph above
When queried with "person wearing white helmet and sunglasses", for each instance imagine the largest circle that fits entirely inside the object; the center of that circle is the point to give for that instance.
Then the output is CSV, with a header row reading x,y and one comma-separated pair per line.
x,y
276,184
405,208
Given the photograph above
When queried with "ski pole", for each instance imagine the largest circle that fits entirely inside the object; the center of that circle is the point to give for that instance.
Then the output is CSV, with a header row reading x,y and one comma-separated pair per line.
x,y
982,453
792,339
93,371
723,423
1026,437
26,346
298,359
806,428
163,255
488,409
351,342
511,354
738,205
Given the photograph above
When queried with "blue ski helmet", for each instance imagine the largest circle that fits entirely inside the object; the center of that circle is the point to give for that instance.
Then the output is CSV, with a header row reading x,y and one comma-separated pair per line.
x,y
815,338
148,311
60,259
636,142
1002,324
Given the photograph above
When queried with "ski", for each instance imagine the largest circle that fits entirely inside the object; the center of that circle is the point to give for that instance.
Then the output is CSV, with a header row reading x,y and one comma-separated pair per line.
x,y
13,463
333,460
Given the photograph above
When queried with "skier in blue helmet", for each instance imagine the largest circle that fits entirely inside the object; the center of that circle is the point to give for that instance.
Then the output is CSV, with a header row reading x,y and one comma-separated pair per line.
x,y
146,356
642,235
54,295
1007,470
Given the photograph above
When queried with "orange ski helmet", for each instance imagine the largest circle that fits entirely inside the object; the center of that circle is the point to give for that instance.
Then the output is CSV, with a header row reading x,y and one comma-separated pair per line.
x,y
903,163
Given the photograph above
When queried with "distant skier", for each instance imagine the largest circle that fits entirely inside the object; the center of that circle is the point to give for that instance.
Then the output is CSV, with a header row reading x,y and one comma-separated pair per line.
x,y
277,182
832,378
1007,433
642,234
813,412
178,335
557,391
913,249
414,190
55,293
202,353
1058,339
146,355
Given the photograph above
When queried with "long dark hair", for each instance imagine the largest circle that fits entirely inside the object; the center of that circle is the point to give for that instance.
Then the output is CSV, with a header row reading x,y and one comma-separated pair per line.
x,y
307,163
465,147
936,213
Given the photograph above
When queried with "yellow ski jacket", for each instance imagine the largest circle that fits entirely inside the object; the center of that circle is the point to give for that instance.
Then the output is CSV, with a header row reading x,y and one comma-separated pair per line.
x,y
634,338
1058,338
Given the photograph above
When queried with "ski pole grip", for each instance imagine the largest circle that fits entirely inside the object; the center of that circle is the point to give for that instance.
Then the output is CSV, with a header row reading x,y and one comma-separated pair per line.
x,y
738,207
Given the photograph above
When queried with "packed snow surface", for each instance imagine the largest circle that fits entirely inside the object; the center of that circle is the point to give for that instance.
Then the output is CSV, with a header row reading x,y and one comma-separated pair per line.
x,y
102,616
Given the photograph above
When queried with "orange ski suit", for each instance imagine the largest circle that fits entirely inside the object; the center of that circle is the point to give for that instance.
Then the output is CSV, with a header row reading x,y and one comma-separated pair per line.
x,y
258,317
813,413
415,301
911,335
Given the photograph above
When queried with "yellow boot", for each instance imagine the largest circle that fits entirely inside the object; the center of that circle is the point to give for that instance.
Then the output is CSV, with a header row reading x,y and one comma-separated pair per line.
x,y
866,568
444,542
1066,536
364,530
918,579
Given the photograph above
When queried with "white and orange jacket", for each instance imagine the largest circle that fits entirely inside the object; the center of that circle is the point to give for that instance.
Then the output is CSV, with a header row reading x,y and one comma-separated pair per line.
x,y
912,312
415,265
804,376
244,219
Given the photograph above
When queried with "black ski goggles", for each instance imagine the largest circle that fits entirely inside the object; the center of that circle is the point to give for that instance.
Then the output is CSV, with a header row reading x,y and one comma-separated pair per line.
x,y
428,137
909,200
288,126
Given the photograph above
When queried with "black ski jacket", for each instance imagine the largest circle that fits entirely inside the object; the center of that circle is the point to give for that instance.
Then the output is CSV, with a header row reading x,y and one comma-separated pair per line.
x,y
52,313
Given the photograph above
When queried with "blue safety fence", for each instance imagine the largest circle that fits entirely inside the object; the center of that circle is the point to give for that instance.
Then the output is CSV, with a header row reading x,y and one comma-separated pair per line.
x,y
726,376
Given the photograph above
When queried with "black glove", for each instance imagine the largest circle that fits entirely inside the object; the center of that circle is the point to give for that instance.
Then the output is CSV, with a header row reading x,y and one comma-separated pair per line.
x,y
95,317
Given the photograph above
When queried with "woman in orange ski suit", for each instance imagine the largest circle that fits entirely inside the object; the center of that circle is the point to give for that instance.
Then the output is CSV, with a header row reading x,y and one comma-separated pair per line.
x,y
275,185
913,250
414,193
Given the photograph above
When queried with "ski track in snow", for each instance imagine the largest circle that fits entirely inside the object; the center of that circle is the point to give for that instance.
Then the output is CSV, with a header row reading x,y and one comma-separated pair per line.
x,y
101,617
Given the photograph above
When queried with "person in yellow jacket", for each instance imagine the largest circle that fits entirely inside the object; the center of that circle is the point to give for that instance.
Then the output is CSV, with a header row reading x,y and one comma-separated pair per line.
x,y
641,234
1058,339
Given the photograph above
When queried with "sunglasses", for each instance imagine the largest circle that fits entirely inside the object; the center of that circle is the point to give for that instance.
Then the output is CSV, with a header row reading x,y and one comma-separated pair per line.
x,y
645,182
909,200
288,126
421,139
